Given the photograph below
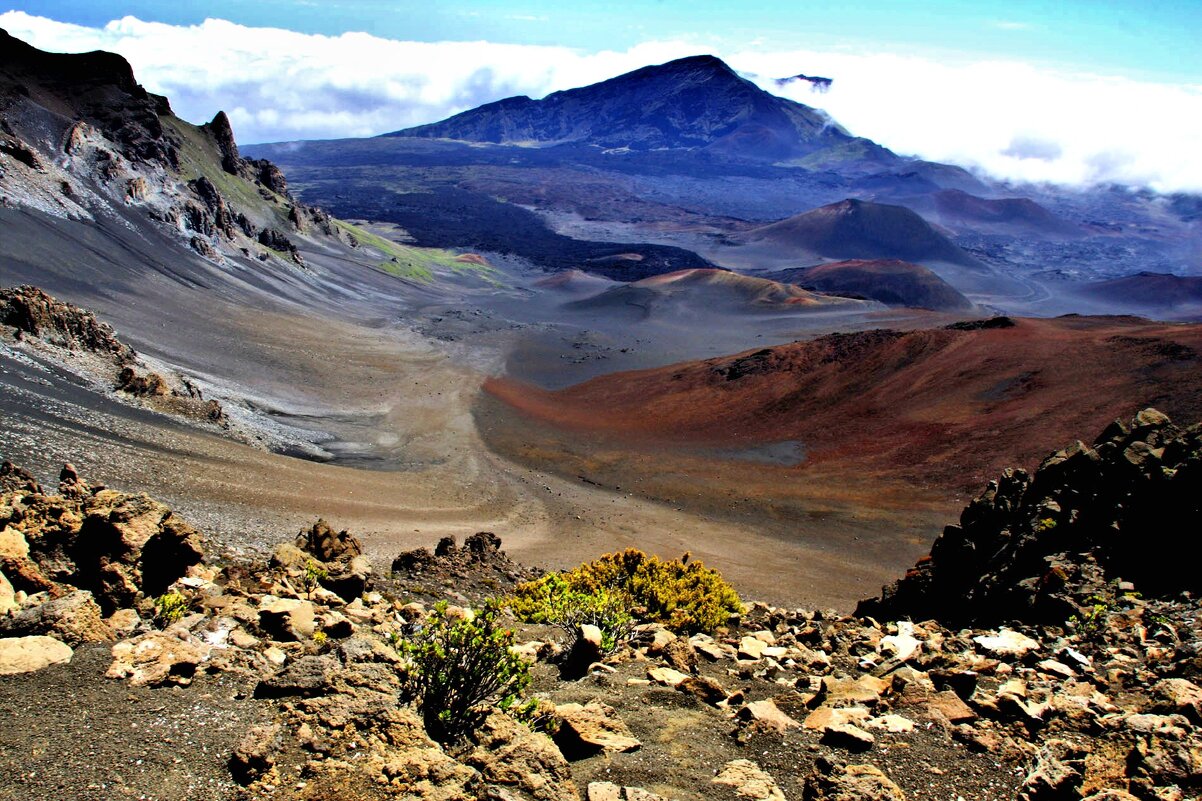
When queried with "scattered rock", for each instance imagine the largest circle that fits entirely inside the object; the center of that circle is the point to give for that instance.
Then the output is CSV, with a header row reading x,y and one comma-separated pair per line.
x,y
74,618
832,782
591,728
767,715
158,658
845,735
27,654
255,753
749,781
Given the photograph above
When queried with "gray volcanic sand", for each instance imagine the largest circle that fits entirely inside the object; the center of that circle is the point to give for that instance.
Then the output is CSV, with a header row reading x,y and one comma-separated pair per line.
x,y
365,371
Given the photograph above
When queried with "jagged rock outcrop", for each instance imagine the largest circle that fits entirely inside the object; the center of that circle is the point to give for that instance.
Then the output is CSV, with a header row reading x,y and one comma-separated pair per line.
x,y
118,547
32,311
1039,548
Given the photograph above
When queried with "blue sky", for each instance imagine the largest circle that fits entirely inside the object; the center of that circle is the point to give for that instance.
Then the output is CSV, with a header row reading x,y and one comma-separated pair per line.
x,y
1066,92
1152,38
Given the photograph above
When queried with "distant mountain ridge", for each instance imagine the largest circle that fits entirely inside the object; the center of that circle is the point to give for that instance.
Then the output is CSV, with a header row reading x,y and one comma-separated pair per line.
x,y
693,102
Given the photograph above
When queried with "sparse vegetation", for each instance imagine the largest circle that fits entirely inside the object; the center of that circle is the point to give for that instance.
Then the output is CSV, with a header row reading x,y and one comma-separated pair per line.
x,y
685,596
314,575
555,600
459,668
169,608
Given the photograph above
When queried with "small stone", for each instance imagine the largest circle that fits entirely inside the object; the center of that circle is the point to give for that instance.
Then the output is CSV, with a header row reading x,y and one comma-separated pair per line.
x,y
666,676
1178,695
751,648
255,753
894,724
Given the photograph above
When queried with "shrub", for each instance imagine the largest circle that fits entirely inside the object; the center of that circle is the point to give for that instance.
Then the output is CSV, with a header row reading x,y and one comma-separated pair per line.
x,y
169,608
685,596
554,600
458,668
314,575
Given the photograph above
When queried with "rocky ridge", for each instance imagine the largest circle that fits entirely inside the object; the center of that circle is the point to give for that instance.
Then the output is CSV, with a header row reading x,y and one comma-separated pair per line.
x,y
50,331
80,138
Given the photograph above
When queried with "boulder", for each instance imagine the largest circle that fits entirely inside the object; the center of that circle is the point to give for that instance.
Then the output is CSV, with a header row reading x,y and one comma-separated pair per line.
x,y
666,676
8,596
157,658
255,753
591,728
308,677
129,546
767,715
1057,773
74,618
749,781
27,654
287,619
1180,696
846,735
327,545
510,755
1006,643
830,781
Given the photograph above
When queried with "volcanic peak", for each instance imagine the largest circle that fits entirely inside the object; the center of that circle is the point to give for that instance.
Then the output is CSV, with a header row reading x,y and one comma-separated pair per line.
x,y
691,102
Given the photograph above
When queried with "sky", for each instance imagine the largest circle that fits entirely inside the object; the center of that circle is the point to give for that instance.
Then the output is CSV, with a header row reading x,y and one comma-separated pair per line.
x,y
1068,92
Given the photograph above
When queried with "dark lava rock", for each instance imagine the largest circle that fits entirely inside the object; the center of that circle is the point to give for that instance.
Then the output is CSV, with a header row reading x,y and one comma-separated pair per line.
x,y
327,545
1037,548
31,311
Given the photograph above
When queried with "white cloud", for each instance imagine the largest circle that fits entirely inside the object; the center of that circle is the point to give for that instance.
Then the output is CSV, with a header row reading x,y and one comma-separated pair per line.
x,y
1007,118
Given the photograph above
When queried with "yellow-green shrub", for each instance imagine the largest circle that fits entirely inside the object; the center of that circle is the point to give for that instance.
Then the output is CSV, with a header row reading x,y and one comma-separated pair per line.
x,y
684,596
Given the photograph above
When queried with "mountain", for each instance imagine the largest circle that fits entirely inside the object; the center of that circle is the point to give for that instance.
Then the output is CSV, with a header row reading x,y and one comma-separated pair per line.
x,y
890,281
1160,294
859,229
1016,216
88,140
695,102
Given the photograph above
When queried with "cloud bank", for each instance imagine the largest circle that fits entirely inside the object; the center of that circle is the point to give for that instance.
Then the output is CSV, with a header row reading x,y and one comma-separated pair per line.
x,y
1010,119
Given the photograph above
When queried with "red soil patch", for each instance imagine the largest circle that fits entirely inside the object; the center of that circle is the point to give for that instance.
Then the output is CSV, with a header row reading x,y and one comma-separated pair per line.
x,y
944,409
472,258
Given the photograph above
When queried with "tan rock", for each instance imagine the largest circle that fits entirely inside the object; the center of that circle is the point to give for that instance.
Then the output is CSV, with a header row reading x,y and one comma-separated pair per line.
x,y
287,619
894,724
157,658
74,618
8,596
947,706
27,654
767,714
751,648
846,735
825,716
510,755
124,622
1006,643
1179,695
749,781
705,688
666,676
863,690
604,791
592,727
831,782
